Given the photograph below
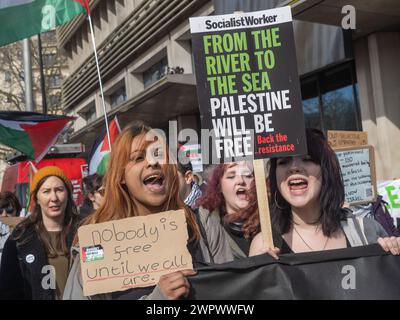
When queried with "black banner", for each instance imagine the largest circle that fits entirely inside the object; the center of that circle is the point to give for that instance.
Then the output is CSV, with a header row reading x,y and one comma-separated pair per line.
x,y
353,273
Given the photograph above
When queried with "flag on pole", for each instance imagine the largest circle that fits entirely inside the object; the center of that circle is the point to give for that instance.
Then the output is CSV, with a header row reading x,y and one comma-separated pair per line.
x,y
85,4
21,19
98,158
31,133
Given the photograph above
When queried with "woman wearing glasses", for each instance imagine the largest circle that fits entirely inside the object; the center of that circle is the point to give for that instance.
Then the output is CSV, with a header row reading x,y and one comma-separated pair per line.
x,y
9,207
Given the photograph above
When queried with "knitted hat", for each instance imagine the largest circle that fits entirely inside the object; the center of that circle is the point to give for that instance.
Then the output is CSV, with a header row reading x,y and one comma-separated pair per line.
x,y
47,172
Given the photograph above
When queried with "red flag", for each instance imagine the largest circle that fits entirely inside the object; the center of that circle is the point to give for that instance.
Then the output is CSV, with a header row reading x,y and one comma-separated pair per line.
x,y
100,150
114,130
31,133
85,4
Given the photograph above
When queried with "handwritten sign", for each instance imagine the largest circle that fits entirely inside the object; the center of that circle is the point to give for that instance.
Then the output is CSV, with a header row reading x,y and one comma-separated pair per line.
x,y
358,172
340,139
133,252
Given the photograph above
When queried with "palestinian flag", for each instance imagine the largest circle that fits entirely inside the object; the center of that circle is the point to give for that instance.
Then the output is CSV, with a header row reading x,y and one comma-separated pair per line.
x,y
98,158
22,19
31,133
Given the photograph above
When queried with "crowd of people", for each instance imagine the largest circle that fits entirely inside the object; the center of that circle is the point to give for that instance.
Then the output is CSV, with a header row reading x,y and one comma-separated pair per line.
x,y
306,202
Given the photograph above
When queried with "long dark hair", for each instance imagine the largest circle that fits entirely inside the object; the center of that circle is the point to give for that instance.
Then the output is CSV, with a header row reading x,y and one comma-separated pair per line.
x,y
7,199
331,198
35,221
91,184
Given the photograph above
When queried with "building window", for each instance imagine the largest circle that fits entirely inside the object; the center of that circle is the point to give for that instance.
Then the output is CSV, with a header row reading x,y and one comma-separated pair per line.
x,y
311,103
49,37
118,97
89,115
54,81
155,72
7,76
50,59
330,99
54,100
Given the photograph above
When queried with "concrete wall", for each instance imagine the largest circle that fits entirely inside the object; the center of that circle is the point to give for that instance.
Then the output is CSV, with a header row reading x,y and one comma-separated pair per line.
x,y
378,66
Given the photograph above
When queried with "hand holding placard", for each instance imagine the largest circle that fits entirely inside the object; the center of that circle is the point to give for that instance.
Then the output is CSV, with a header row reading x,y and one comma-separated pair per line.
x,y
133,252
248,85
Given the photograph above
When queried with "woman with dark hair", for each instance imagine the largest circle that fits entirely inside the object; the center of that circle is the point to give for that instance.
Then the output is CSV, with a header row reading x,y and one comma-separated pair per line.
x,y
227,226
36,256
94,194
9,208
138,184
307,205
9,204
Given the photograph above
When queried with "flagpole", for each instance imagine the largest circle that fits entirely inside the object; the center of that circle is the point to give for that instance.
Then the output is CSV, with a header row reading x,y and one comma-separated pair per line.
x,y
100,82
27,74
42,84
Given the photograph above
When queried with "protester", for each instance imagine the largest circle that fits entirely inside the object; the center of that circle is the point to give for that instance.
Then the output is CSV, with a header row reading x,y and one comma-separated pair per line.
x,y
228,227
197,179
377,210
94,194
189,190
307,207
36,255
9,207
138,183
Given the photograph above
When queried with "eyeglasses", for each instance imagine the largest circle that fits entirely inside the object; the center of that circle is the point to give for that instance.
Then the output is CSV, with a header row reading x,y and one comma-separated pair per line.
x,y
101,191
8,210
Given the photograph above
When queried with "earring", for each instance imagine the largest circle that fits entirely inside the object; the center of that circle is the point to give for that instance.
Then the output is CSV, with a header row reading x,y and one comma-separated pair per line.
x,y
276,202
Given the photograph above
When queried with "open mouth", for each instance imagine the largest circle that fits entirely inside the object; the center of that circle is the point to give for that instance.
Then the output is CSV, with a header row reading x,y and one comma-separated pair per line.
x,y
154,182
55,208
241,193
298,184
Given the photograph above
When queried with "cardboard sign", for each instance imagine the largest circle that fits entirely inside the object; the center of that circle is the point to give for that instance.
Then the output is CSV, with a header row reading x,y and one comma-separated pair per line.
x,y
11,221
133,252
248,86
358,172
390,192
340,139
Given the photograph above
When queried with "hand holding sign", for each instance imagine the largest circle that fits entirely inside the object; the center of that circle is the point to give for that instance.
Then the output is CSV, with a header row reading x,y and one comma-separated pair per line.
x,y
134,252
248,85
175,285
249,91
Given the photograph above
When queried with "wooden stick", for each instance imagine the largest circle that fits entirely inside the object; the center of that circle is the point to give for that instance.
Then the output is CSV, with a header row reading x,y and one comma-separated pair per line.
x,y
263,207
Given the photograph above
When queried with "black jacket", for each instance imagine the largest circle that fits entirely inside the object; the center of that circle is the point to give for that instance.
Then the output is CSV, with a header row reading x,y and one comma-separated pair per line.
x,y
21,271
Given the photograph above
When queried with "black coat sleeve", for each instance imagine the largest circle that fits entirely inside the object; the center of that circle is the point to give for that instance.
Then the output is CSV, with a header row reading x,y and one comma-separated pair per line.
x,y
11,280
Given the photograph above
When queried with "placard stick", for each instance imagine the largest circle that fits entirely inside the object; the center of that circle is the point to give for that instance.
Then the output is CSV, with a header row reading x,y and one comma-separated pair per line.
x,y
263,207
262,197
